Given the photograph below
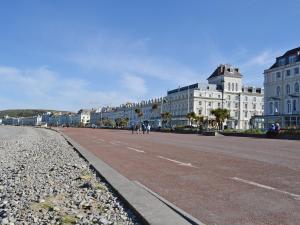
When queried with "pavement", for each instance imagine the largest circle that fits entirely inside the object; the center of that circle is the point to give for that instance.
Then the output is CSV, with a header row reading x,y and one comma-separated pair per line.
x,y
218,180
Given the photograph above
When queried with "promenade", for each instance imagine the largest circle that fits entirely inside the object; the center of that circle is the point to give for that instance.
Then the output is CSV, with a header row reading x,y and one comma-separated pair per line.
x,y
219,180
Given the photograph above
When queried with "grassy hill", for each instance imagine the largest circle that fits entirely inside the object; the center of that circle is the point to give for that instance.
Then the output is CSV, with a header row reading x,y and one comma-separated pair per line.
x,y
25,112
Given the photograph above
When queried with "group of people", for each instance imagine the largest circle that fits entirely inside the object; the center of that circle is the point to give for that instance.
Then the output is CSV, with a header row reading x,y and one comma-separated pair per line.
x,y
274,129
139,128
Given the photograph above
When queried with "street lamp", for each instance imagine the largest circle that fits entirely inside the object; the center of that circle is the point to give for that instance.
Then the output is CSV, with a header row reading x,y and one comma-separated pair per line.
x,y
222,86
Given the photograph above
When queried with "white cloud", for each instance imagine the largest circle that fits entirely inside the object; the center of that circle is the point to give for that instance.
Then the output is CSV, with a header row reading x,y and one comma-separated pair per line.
x,y
44,88
264,58
134,84
119,56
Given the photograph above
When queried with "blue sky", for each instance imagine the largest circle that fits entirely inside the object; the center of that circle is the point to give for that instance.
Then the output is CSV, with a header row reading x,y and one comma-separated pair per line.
x,y
71,54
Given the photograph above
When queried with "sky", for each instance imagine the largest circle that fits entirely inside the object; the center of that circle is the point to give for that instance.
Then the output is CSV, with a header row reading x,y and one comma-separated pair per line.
x,y
71,54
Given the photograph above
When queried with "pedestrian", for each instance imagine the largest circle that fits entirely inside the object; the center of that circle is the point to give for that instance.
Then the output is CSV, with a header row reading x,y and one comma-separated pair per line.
x,y
143,128
148,128
132,128
137,128
277,128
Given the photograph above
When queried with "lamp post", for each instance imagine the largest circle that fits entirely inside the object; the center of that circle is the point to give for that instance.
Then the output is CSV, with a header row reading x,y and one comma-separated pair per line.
x,y
222,86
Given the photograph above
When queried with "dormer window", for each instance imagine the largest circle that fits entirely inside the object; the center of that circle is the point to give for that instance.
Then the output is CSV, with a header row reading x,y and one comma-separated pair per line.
x,y
281,61
292,59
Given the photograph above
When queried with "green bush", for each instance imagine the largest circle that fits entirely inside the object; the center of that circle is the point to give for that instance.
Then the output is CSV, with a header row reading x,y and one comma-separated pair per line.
x,y
254,131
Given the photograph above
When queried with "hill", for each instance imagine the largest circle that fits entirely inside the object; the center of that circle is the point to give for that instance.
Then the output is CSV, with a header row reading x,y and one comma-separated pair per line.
x,y
25,112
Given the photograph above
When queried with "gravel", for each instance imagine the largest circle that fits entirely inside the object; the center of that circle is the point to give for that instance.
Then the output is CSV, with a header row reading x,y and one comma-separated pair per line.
x,y
44,181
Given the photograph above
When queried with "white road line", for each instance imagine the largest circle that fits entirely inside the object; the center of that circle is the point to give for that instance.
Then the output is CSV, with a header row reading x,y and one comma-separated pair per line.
x,y
295,196
113,143
100,139
178,162
137,150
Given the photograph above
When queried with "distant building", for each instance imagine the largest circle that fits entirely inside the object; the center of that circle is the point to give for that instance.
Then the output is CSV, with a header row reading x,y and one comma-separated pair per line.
x,y
224,90
282,94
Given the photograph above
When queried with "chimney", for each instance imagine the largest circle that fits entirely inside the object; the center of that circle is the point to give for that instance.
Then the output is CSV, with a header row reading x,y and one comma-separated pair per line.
x,y
222,68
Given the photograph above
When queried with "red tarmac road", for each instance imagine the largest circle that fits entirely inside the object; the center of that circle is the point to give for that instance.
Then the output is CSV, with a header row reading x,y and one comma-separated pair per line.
x,y
219,180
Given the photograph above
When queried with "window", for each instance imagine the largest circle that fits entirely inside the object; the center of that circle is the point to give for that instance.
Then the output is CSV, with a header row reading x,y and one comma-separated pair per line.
x,y
246,106
278,75
288,89
281,61
200,103
292,59
219,96
228,104
236,105
254,99
296,70
232,86
246,114
288,72
276,107
219,104
254,106
236,87
296,87
294,105
289,106
271,108
228,86
278,91
209,103
229,97
246,98
236,114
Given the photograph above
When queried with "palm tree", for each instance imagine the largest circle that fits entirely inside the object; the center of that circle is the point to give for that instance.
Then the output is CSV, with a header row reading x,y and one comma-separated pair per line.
x,y
199,120
191,116
221,115
155,106
137,111
166,116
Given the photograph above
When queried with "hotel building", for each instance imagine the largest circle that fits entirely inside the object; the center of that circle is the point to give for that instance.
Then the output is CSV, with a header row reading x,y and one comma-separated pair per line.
x,y
282,97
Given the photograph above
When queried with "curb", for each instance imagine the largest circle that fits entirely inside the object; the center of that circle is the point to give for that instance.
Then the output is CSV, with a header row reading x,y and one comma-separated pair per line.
x,y
184,214
149,209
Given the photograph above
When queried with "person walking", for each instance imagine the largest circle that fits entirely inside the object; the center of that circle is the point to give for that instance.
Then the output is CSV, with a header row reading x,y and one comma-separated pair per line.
x,y
143,128
132,128
148,128
137,129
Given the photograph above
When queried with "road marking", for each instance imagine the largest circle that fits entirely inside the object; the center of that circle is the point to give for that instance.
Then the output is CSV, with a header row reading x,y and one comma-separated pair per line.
x,y
113,143
178,162
100,139
137,150
295,196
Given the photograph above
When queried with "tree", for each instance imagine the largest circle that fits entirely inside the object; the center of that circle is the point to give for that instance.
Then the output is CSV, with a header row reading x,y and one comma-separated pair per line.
x,y
221,115
154,106
137,111
191,116
166,116
122,122
199,120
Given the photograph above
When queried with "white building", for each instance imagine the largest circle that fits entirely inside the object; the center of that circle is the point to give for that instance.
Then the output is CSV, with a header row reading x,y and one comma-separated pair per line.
x,y
282,97
224,90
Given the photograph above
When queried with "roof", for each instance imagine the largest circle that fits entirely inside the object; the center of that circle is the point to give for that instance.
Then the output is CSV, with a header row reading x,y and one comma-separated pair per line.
x,y
225,70
295,51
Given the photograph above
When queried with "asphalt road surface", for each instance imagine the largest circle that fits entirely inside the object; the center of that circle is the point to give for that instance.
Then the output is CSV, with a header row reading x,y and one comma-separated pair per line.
x,y
219,180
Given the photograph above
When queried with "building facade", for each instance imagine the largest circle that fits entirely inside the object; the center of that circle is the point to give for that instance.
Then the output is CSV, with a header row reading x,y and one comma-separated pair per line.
x,y
282,94
224,90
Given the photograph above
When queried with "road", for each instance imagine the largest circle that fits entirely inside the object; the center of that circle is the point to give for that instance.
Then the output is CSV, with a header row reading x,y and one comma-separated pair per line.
x,y
219,180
